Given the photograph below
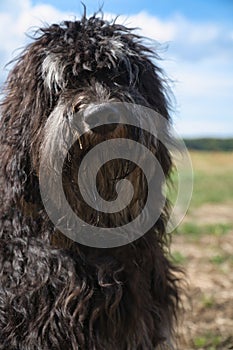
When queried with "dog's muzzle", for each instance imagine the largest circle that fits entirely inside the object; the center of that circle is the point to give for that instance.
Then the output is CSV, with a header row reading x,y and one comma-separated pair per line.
x,y
101,119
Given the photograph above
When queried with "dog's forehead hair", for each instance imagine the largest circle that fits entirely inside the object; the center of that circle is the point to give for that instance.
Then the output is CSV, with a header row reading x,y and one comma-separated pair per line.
x,y
86,47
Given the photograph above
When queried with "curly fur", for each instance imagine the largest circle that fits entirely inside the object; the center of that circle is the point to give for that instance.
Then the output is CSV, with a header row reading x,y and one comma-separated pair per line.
x,y
56,293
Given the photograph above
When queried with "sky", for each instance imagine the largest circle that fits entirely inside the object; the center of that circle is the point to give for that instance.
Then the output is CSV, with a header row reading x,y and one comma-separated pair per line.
x,y
196,40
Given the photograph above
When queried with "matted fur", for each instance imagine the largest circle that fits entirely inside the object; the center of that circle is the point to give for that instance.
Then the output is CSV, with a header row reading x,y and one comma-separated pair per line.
x,y
56,293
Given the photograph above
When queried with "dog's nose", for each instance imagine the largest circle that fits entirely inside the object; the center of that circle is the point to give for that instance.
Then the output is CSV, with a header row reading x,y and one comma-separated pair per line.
x,y
102,119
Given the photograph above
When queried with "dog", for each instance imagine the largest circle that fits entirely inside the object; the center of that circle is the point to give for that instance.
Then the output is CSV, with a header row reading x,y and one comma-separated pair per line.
x,y
57,291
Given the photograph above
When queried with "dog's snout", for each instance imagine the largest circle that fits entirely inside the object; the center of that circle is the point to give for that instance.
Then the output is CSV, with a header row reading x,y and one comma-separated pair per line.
x,y
102,119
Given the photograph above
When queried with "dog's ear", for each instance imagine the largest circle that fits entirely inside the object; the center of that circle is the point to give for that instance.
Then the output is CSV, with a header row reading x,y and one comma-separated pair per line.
x,y
153,87
24,104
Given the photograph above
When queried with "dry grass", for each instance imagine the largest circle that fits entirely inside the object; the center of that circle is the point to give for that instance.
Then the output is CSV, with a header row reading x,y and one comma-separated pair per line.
x,y
203,245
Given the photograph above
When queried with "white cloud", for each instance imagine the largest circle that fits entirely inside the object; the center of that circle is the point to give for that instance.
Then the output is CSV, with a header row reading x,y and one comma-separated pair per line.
x,y
204,97
18,18
191,41
152,27
204,128
200,59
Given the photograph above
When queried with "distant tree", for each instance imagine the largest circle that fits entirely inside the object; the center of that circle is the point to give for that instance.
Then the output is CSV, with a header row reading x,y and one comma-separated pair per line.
x,y
209,144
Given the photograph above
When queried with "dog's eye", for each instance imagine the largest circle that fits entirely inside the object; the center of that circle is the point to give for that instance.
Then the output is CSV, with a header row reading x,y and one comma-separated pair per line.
x,y
76,109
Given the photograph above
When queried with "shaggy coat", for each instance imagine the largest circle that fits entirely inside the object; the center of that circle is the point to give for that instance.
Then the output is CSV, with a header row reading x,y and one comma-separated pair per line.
x,y
56,293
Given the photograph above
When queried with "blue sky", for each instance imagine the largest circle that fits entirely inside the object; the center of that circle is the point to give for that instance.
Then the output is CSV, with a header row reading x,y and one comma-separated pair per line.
x,y
195,9
199,57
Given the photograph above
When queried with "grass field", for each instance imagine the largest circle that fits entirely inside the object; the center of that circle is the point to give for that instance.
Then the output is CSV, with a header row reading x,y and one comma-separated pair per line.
x,y
213,178
203,246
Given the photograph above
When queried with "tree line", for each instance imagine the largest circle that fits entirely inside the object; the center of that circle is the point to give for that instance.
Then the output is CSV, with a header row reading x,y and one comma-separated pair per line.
x,y
209,144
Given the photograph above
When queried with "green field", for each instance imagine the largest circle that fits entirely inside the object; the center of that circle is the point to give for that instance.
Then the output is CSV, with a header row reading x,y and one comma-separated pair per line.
x,y
203,246
213,178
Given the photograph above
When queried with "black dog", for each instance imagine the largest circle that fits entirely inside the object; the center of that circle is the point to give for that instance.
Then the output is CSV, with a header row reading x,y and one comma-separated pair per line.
x,y
57,293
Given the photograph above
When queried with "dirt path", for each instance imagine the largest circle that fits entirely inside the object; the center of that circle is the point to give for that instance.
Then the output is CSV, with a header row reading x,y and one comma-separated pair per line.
x,y
208,318
211,214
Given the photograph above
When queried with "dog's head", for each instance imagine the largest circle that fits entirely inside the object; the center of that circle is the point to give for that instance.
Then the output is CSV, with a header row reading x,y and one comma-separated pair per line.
x,y
77,82
77,87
